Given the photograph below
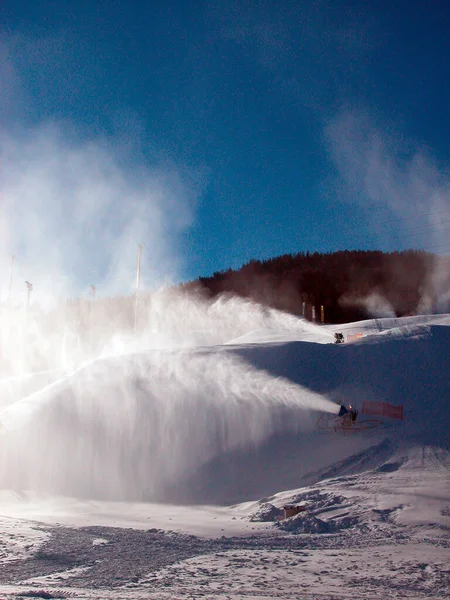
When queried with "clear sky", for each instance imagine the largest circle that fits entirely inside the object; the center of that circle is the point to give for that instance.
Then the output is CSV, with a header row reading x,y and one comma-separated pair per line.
x,y
282,126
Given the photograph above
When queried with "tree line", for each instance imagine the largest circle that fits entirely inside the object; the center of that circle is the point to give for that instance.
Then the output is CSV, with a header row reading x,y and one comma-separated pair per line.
x,y
350,285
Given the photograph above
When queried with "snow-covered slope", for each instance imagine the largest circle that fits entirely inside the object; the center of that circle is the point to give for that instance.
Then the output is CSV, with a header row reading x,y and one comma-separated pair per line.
x,y
233,426
222,423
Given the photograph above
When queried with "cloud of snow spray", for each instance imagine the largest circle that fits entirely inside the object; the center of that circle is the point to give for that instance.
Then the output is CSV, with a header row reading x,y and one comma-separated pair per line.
x,y
130,427
127,426
73,211
374,304
407,195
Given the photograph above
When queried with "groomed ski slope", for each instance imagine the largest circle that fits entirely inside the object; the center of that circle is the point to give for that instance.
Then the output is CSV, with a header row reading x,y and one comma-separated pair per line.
x,y
211,442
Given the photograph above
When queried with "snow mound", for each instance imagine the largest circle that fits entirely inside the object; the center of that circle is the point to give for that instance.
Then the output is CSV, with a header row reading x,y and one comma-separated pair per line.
x,y
266,512
309,524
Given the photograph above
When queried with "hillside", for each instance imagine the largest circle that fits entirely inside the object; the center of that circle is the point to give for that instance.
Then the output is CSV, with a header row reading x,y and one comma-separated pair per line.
x,y
160,472
197,411
350,285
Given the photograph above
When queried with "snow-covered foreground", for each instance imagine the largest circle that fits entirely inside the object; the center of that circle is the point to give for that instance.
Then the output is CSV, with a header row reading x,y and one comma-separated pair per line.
x,y
166,477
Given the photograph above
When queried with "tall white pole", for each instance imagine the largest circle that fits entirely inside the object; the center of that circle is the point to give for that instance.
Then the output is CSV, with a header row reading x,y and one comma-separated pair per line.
x,y
13,256
91,318
29,288
138,281
25,354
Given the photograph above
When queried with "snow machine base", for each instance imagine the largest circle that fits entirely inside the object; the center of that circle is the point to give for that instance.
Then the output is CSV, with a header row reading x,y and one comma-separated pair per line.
x,y
328,422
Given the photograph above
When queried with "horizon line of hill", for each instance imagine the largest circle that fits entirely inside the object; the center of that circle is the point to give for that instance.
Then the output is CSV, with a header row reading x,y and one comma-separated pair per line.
x,y
339,287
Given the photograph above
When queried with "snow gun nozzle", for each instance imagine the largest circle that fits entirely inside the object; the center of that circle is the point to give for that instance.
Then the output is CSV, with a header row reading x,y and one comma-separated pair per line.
x,y
343,410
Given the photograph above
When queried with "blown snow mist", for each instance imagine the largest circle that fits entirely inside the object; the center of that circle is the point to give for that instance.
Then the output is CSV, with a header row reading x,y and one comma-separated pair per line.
x,y
129,428
73,333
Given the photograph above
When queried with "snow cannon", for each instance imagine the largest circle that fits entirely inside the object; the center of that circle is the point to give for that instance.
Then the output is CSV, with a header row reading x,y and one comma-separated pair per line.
x,y
343,411
351,412
345,421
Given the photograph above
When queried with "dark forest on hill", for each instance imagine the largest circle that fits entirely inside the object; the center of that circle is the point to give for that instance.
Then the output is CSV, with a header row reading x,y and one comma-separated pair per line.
x,y
350,285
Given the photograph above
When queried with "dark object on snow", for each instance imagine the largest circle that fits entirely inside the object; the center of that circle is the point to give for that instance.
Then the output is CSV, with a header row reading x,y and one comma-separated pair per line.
x,y
40,594
343,411
338,338
290,510
350,411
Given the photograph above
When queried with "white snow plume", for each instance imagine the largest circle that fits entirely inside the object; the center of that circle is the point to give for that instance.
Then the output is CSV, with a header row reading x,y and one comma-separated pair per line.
x,y
405,193
73,213
131,426
177,317
17,387
436,295
68,203
74,333
374,304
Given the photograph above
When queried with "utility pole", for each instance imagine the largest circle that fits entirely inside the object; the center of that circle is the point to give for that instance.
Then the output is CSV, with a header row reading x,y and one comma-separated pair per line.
x,y
91,336
138,281
25,353
13,256
29,290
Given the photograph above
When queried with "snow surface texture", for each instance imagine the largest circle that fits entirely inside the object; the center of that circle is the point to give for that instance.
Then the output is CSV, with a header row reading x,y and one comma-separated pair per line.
x,y
162,473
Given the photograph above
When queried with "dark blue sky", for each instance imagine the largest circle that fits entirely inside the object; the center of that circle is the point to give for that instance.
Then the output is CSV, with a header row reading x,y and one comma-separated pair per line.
x,y
309,125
